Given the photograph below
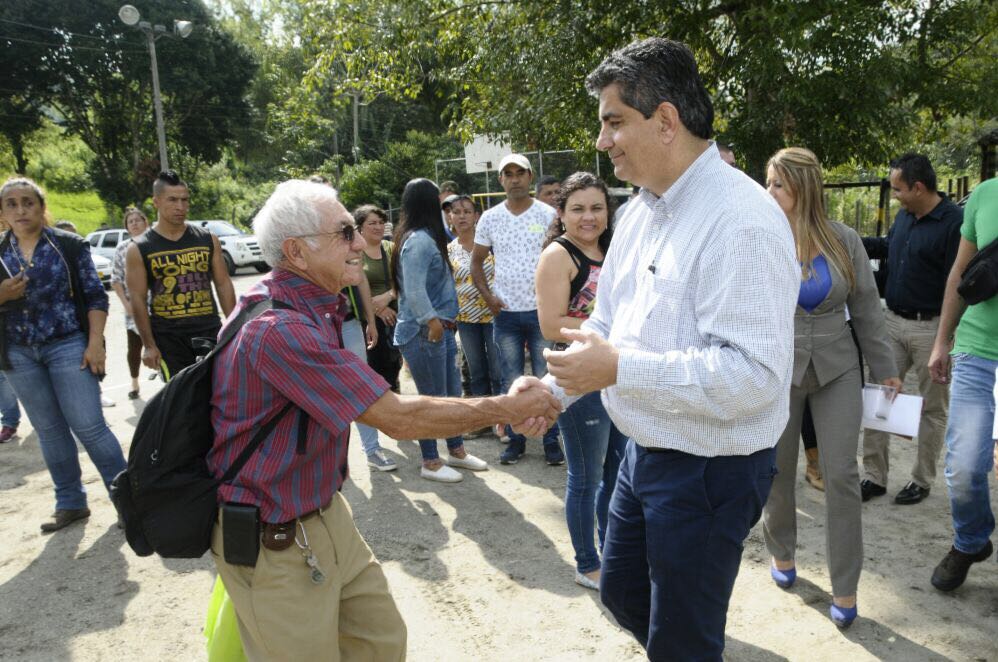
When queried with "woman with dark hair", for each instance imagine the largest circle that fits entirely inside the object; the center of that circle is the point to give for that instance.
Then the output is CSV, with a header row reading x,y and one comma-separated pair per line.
x,y
474,318
384,357
566,280
52,345
427,308
136,223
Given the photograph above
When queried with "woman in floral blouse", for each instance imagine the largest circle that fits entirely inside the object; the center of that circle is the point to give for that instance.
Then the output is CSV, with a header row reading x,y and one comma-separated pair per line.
x,y
53,309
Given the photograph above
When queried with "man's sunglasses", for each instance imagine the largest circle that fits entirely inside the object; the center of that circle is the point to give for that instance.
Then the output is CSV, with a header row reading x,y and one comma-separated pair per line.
x,y
347,232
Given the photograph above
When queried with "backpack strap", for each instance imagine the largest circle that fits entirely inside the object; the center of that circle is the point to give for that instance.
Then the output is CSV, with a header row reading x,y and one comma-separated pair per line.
x,y
262,433
245,315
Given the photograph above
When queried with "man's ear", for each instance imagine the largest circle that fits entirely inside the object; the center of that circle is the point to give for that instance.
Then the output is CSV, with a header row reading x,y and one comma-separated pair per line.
x,y
293,253
667,116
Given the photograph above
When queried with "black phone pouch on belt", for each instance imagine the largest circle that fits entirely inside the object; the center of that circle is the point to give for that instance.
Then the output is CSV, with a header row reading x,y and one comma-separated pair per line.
x,y
240,534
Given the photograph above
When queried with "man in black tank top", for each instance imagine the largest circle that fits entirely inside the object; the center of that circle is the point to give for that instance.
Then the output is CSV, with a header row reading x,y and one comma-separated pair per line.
x,y
172,267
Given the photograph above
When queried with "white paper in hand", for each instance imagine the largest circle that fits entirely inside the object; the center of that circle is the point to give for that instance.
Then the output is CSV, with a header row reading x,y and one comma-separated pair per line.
x,y
900,417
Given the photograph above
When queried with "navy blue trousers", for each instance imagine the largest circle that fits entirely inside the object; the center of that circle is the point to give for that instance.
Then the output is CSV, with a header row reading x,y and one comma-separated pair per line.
x,y
674,543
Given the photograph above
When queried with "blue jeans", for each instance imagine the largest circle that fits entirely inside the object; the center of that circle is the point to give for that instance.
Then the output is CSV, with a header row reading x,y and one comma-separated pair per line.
x,y
674,544
434,369
513,330
969,449
58,398
354,341
10,412
479,346
594,448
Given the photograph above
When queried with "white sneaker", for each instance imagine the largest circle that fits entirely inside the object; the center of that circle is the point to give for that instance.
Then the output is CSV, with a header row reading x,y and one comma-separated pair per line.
x,y
106,402
442,475
469,461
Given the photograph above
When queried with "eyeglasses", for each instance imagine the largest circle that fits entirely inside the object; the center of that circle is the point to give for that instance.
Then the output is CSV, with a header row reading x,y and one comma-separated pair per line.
x,y
348,232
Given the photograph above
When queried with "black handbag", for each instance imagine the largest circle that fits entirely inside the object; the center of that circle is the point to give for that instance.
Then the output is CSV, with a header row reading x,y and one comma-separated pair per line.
x,y
979,281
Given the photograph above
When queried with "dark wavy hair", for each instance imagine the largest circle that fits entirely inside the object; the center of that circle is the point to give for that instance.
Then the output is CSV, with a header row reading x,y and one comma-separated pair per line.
x,y
580,181
420,211
653,71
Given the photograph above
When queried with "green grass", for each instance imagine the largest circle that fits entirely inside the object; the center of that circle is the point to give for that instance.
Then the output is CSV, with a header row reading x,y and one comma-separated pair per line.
x,y
85,210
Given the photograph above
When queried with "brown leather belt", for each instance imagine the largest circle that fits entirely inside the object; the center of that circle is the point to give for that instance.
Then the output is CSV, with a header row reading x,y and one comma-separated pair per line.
x,y
278,537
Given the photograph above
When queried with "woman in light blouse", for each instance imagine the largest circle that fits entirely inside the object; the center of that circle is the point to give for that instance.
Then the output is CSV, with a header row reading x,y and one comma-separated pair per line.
x,y
835,273
136,224
474,318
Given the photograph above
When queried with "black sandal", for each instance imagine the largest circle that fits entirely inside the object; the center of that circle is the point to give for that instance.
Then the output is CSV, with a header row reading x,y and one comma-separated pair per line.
x,y
133,395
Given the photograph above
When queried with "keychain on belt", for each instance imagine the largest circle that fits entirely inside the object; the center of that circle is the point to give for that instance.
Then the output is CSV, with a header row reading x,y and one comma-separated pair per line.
x,y
318,576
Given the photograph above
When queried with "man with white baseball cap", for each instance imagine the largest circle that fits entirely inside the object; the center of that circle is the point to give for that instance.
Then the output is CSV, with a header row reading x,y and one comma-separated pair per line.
x,y
514,232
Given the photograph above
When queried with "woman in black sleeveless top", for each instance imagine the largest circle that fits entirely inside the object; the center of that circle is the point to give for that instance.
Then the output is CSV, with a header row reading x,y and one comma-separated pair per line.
x,y
566,280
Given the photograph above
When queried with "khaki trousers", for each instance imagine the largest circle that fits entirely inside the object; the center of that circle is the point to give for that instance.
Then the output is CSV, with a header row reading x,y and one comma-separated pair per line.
x,y
912,342
284,616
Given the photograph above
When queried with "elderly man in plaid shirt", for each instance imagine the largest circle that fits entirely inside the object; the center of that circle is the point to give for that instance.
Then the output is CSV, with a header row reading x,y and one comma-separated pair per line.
x,y
315,590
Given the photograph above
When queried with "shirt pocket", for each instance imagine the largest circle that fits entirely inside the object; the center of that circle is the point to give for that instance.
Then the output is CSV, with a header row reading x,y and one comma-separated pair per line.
x,y
661,309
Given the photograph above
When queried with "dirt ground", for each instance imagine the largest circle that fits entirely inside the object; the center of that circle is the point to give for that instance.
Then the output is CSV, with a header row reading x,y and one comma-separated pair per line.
x,y
481,570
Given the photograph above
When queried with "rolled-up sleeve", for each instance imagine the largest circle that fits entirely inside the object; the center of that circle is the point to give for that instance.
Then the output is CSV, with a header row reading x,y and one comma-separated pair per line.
x,y
747,350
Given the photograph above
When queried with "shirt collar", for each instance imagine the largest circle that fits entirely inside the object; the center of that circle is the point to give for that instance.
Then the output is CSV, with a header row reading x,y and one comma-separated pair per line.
x,y
936,213
317,299
703,163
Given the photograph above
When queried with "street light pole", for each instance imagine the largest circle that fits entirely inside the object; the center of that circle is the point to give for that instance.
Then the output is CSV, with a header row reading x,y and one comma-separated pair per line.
x,y
129,15
157,102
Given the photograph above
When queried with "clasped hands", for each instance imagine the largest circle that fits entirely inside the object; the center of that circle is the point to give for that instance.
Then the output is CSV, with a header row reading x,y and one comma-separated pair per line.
x,y
533,405
590,365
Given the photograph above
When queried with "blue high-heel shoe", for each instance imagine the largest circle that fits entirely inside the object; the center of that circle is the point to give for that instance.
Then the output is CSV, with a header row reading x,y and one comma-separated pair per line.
x,y
842,616
783,578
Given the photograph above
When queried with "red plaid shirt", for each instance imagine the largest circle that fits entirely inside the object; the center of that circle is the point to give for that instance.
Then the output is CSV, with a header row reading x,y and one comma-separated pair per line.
x,y
286,355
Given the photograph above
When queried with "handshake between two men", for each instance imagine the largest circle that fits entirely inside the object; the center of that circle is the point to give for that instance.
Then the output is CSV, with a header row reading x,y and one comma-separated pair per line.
x,y
590,364
530,406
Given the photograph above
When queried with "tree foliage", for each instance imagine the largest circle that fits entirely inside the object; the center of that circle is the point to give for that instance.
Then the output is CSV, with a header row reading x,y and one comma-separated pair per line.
x,y
92,73
847,78
381,180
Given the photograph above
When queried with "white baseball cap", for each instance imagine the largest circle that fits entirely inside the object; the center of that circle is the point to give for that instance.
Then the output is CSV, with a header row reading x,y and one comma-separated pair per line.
x,y
518,159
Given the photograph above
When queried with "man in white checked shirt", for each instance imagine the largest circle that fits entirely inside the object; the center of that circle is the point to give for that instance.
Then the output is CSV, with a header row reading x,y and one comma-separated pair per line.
x,y
692,344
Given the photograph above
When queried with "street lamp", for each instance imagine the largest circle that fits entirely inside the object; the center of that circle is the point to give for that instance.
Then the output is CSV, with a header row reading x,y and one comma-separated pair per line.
x,y
130,16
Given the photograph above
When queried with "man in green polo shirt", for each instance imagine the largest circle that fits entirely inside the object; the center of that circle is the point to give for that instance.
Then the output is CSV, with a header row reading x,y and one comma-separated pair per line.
x,y
972,406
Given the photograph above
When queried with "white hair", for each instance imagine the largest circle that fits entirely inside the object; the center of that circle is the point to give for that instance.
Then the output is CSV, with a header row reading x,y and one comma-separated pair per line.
x,y
290,211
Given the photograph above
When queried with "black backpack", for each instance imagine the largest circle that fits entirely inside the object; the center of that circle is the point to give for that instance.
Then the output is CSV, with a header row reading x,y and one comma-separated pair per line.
x,y
166,496
979,281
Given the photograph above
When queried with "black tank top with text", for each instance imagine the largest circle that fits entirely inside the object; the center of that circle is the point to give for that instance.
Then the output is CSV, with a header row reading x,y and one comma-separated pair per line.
x,y
179,277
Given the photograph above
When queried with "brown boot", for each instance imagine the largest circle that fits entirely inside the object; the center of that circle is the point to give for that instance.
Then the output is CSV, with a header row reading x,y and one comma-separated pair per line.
x,y
813,473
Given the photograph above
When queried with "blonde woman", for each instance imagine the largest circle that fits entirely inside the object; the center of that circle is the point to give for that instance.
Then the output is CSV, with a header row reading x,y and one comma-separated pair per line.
x,y
835,274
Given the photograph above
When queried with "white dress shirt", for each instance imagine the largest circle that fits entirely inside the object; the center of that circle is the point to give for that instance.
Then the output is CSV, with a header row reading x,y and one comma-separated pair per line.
x,y
697,293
